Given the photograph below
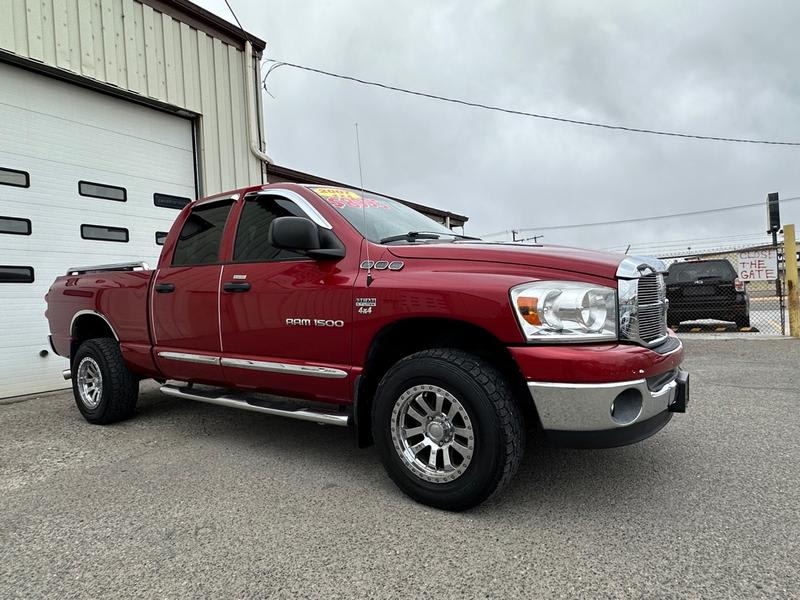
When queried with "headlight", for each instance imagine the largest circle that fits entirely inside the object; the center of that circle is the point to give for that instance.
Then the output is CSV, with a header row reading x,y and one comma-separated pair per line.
x,y
562,311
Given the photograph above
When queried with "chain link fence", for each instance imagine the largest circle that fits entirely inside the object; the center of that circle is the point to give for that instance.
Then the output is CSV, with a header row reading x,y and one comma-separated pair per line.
x,y
706,295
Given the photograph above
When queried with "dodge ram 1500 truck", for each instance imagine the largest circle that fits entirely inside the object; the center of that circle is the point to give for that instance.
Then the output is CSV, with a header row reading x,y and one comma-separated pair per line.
x,y
347,308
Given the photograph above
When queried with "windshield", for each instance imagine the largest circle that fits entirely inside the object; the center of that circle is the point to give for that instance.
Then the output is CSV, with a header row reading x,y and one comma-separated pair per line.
x,y
689,272
378,217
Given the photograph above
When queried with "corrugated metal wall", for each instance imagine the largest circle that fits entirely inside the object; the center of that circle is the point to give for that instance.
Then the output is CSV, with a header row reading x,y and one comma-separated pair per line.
x,y
130,45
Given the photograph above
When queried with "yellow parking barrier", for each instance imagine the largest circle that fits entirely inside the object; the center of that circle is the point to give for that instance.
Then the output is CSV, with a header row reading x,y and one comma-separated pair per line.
x,y
790,254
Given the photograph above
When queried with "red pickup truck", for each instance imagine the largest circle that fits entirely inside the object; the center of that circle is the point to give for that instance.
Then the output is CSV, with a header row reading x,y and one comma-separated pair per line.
x,y
348,308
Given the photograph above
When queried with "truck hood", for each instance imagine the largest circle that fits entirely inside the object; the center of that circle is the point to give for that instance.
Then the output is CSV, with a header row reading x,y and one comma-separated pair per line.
x,y
562,258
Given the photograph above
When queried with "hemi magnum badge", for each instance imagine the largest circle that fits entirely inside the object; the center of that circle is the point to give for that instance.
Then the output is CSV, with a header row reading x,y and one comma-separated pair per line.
x,y
240,276
366,305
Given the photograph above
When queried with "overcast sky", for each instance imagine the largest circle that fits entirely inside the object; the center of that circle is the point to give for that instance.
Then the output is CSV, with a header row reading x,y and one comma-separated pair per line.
x,y
723,67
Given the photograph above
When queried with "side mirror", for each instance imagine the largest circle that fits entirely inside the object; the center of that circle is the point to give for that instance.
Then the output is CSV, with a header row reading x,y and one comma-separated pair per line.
x,y
302,235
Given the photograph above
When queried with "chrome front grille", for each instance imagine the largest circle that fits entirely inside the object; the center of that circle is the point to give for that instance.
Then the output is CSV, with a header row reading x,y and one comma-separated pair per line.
x,y
651,307
643,305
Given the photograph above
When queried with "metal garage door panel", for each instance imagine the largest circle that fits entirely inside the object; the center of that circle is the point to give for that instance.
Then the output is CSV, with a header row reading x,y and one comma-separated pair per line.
x,y
61,134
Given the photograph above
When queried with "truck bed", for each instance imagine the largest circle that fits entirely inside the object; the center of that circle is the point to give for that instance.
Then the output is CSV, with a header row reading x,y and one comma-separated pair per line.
x,y
118,292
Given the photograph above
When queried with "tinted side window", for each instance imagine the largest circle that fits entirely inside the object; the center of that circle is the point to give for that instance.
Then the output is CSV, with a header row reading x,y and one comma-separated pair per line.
x,y
14,177
14,274
102,190
167,201
104,233
15,226
689,272
200,238
252,244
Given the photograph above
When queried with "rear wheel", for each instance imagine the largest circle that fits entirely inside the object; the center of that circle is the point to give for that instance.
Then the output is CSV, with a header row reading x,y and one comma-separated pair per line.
x,y
447,428
105,390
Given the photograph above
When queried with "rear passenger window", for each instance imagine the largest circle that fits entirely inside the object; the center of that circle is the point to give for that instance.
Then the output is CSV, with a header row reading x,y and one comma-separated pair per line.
x,y
15,226
252,243
102,190
14,177
201,235
104,233
12,274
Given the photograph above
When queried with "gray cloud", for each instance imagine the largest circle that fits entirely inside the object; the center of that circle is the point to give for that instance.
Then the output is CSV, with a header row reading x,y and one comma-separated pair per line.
x,y
718,68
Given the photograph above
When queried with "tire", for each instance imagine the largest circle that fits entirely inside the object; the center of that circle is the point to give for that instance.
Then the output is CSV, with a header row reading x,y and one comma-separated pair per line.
x,y
466,415
100,361
742,322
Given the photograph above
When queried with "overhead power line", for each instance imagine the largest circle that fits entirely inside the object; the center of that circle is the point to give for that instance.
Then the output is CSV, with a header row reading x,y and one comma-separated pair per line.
x,y
522,113
230,8
707,211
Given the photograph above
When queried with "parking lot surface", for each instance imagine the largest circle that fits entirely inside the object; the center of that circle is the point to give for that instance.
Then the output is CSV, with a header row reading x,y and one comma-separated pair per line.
x,y
192,500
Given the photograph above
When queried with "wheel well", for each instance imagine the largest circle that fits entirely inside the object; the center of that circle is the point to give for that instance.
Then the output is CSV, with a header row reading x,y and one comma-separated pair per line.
x,y
405,337
87,327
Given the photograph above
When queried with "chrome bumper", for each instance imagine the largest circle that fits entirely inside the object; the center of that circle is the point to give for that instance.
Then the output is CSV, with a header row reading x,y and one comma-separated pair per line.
x,y
599,406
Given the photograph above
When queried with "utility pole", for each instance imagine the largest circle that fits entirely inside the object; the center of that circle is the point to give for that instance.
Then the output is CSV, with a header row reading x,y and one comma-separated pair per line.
x,y
515,233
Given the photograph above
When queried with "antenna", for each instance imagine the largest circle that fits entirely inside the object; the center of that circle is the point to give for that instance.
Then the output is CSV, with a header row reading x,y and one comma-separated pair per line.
x,y
370,279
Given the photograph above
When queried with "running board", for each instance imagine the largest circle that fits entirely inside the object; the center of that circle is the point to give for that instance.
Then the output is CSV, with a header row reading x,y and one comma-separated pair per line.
x,y
255,404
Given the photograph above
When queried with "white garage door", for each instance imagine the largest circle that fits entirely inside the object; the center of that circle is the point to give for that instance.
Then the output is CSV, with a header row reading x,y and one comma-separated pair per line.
x,y
75,165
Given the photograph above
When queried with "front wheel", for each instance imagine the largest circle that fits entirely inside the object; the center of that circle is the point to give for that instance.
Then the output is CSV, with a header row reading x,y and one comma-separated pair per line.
x,y
105,390
447,428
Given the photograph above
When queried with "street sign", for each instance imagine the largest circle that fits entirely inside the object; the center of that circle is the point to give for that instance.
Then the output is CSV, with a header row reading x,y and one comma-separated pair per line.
x,y
757,265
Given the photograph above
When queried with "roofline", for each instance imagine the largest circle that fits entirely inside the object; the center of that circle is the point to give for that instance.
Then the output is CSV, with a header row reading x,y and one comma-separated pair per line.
x,y
301,177
206,21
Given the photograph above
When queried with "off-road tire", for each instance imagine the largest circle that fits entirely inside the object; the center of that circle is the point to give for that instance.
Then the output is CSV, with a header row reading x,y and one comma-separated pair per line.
x,y
496,419
120,387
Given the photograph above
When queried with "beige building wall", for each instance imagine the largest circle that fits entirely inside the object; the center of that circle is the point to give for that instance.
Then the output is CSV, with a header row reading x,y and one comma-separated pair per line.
x,y
138,48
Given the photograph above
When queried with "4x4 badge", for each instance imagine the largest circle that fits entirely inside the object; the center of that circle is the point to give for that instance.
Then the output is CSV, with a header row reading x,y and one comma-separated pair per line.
x,y
366,305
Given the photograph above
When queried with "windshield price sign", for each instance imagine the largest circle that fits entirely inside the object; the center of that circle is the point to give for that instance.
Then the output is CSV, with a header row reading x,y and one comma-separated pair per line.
x,y
757,265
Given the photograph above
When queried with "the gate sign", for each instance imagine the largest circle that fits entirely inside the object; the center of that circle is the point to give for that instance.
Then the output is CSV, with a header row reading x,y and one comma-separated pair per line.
x,y
757,265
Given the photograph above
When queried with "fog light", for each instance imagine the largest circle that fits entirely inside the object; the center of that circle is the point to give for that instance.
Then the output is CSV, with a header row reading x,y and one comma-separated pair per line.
x,y
627,406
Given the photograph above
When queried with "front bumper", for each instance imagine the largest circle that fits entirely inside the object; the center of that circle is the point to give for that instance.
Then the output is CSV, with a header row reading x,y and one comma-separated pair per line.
x,y
617,393
608,414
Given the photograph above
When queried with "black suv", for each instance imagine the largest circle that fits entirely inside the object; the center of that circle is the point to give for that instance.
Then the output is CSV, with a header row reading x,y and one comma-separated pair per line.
x,y
706,289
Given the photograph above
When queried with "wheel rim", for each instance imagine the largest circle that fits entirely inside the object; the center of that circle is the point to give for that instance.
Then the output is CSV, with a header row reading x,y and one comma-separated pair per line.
x,y
90,383
432,433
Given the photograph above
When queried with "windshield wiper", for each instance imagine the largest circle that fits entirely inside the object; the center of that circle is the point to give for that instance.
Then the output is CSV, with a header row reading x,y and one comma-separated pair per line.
x,y
413,236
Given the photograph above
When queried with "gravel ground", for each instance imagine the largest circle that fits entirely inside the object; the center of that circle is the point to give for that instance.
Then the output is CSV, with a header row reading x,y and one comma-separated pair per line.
x,y
192,500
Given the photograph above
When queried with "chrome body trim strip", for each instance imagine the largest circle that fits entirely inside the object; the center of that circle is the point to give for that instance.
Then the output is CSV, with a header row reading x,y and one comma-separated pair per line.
x,y
124,266
201,359
304,204
587,406
301,414
285,368
90,312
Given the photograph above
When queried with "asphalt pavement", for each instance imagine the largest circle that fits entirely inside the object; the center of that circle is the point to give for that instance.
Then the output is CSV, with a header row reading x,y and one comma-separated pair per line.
x,y
192,500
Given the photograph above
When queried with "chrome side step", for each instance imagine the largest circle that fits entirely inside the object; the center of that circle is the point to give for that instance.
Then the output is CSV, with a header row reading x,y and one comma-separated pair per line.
x,y
255,404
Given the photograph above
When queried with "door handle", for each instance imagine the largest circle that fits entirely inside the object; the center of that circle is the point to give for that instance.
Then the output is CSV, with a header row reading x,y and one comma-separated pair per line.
x,y
165,288
236,286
